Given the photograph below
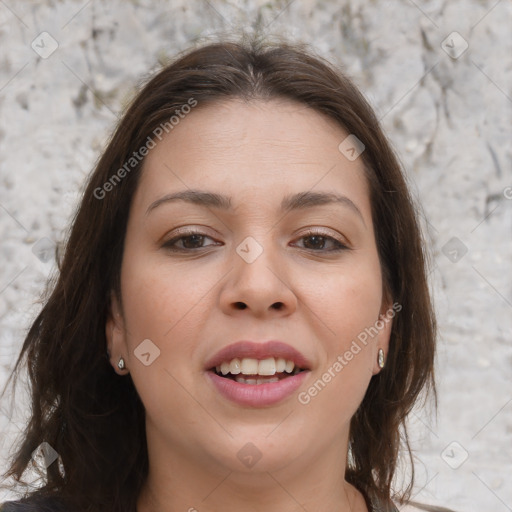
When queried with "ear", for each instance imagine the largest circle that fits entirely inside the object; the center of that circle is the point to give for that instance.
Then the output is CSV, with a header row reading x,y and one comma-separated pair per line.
x,y
384,325
115,332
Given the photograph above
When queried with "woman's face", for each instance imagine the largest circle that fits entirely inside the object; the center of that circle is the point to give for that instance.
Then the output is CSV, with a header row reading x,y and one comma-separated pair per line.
x,y
306,275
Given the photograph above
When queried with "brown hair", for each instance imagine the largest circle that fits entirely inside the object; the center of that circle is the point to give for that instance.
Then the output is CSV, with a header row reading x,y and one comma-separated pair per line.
x,y
93,418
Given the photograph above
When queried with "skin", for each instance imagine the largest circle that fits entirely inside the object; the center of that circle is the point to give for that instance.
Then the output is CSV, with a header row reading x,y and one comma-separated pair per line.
x,y
186,304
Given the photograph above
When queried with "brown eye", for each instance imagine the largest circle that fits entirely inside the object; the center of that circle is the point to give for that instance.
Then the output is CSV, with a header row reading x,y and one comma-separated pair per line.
x,y
188,242
317,241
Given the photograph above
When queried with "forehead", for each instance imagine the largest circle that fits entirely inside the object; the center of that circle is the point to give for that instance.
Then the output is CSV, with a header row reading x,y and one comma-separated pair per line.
x,y
254,150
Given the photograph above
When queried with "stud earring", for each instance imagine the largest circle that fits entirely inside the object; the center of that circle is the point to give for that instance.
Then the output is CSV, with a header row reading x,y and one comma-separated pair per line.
x,y
121,364
380,359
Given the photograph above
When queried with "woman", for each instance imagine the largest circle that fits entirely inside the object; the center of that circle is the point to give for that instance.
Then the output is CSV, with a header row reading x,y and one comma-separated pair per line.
x,y
242,317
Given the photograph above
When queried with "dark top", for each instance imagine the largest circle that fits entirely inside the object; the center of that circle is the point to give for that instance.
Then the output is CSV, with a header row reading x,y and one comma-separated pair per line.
x,y
31,505
53,505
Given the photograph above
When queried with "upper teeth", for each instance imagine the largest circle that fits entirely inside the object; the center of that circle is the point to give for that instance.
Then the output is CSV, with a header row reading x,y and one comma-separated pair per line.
x,y
248,366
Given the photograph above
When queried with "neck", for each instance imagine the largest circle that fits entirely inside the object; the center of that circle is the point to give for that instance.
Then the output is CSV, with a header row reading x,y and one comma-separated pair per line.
x,y
190,480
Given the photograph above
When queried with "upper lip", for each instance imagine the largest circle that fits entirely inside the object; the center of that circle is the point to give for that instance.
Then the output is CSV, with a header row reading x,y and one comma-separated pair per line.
x,y
258,350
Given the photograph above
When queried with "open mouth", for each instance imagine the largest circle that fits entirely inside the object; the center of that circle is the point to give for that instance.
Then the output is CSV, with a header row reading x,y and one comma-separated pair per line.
x,y
254,371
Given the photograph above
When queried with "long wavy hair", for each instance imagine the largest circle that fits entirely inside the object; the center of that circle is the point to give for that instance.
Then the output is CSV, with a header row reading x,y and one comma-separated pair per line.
x,y
94,418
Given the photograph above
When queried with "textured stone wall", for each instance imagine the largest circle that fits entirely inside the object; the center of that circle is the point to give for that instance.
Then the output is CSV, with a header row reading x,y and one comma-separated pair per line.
x,y
438,74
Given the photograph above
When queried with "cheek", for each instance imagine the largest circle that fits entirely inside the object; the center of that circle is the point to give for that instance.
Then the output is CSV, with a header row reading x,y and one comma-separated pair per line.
x,y
341,381
346,300
159,298
347,307
168,307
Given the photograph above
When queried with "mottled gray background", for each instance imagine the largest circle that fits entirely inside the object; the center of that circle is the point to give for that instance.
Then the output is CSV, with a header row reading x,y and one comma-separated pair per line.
x,y
445,106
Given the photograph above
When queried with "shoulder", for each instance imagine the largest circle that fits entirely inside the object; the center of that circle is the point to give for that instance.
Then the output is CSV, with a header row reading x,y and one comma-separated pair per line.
x,y
14,506
375,505
419,507
33,505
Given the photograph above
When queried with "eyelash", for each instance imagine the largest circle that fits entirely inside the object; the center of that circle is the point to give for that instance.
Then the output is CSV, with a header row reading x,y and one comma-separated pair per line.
x,y
309,234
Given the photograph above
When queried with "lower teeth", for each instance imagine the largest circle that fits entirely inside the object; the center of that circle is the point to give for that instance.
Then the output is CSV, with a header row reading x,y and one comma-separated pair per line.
x,y
243,380
255,381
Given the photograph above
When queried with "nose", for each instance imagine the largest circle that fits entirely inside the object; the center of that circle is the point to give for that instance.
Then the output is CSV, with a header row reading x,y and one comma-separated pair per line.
x,y
259,283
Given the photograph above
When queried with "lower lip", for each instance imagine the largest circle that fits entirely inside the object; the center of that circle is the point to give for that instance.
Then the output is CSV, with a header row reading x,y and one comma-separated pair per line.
x,y
257,395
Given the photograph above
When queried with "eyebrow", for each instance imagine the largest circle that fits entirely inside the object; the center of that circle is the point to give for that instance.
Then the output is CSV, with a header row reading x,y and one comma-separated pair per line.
x,y
292,202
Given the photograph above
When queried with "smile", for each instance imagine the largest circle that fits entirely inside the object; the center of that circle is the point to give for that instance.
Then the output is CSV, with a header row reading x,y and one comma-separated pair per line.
x,y
252,371
257,374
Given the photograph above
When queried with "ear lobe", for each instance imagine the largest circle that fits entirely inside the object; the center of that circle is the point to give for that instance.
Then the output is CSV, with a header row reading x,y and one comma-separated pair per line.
x,y
115,332
384,325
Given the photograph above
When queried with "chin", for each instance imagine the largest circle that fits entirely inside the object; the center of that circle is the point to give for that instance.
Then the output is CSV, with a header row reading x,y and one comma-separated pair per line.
x,y
256,454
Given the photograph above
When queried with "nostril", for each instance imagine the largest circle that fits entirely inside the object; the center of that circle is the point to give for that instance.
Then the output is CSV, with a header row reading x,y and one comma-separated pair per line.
x,y
276,305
